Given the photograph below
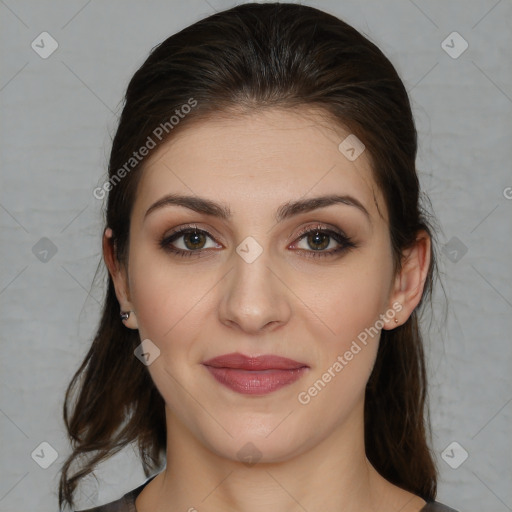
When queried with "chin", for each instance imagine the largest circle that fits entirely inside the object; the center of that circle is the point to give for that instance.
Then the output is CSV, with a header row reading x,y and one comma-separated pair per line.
x,y
265,442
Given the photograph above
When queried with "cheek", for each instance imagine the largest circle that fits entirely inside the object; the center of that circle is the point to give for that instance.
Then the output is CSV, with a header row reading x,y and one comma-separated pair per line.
x,y
346,358
349,307
169,301
170,304
350,301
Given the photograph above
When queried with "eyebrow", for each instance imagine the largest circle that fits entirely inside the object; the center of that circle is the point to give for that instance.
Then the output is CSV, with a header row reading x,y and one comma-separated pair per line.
x,y
285,211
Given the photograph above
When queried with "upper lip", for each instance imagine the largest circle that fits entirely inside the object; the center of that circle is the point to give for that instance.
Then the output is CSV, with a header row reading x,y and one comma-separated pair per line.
x,y
263,362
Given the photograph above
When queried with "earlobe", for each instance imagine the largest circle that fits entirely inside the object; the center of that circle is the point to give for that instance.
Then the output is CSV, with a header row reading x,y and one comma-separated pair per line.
x,y
392,316
119,278
410,280
129,319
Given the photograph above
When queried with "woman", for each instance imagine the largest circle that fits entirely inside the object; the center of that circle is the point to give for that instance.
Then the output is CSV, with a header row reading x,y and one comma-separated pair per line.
x,y
267,259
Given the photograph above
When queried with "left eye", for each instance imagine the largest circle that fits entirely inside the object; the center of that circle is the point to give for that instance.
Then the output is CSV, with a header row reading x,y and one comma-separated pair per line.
x,y
317,240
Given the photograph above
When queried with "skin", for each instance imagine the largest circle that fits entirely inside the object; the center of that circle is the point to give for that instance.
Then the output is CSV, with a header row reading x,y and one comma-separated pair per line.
x,y
306,308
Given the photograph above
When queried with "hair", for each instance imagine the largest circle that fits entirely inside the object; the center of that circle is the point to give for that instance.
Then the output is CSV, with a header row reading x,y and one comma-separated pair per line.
x,y
238,61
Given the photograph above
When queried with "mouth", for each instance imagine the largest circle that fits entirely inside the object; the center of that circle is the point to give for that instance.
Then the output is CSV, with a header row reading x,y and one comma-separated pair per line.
x,y
257,375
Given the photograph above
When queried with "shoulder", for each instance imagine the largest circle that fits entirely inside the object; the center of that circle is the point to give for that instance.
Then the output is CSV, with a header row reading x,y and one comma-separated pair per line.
x,y
120,505
437,507
123,504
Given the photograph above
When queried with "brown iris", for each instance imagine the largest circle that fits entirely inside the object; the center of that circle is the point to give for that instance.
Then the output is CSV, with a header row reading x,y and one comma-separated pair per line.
x,y
318,241
194,240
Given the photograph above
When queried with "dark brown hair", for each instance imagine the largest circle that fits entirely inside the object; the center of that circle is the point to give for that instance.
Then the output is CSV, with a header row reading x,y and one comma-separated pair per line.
x,y
250,57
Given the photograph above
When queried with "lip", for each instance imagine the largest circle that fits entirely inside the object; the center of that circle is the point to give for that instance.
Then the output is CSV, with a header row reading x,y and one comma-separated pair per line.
x,y
255,375
264,362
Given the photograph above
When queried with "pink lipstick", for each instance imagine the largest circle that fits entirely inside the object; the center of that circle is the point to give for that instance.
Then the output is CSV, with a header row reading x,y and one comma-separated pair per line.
x,y
256,375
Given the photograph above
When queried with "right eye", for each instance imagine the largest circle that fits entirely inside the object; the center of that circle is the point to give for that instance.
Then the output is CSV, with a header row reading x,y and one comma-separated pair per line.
x,y
190,240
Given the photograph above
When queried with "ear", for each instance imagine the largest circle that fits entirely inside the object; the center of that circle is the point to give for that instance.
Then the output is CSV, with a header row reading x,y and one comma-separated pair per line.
x,y
120,279
410,280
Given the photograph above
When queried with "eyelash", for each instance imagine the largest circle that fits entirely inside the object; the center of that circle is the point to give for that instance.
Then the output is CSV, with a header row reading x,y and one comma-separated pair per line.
x,y
345,242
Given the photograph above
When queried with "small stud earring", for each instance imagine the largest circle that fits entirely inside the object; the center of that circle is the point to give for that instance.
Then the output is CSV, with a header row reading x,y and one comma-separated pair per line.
x,y
396,320
125,315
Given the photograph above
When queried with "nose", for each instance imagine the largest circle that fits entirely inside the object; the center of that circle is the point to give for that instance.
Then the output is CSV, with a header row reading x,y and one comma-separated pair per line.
x,y
254,298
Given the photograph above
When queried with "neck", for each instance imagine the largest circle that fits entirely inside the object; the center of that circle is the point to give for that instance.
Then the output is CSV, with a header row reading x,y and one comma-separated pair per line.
x,y
333,475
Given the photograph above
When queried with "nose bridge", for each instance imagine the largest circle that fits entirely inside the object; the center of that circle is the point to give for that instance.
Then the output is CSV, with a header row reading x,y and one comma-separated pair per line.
x,y
253,298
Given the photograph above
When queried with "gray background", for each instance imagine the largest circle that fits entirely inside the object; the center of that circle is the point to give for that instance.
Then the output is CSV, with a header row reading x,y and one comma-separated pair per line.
x,y
58,116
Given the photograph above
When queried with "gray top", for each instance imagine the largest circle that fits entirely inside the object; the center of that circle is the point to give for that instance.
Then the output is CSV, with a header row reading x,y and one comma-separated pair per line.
x,y
127,503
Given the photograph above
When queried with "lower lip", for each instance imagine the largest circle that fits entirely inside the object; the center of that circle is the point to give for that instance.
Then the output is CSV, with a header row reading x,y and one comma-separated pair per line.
x,y
255,382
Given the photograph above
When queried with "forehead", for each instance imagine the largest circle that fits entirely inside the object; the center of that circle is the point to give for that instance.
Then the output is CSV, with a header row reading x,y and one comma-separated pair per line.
x,y
264,157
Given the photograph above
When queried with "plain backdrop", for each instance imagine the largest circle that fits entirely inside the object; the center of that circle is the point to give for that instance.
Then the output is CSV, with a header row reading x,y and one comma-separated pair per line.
x,y
57,117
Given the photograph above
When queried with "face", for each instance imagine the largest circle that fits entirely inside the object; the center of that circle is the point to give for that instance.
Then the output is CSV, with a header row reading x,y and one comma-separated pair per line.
x,y
247,262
